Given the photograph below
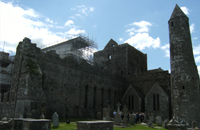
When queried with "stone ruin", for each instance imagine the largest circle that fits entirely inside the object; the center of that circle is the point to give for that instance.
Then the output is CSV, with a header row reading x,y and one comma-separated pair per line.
x,y
61,78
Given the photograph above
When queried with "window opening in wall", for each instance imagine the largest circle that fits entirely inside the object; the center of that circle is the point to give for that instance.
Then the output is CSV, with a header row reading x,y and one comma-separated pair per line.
x,y
2,97
122,73
94,98
102,98
154,102
115,93
158,104
86,94
132,103
113,45
109,97
109,57
129,102
172,24
8,97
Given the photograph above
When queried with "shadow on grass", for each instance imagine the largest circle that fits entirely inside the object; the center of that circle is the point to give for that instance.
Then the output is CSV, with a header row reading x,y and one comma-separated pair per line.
x,y
54,127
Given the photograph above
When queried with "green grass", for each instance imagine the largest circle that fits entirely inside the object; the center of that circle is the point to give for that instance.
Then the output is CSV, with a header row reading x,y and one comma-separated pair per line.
x,y
72,126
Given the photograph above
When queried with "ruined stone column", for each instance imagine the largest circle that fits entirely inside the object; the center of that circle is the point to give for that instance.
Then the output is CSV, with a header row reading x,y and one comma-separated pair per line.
x,y
184,74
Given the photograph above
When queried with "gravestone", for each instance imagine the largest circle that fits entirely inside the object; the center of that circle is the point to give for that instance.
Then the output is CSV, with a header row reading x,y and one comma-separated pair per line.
x,y
131,119
151,117
104,113
55,119
159,120
150,124
98,115
125,120
118,107
117,117
165,122
108,113
146,118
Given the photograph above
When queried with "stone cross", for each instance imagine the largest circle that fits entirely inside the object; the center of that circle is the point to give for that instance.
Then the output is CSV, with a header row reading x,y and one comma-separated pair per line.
x,y
118,107
125,120
125,110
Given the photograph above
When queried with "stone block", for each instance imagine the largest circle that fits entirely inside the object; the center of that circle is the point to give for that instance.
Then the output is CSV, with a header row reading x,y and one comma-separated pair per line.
x,y
132,119
95,125
117,119
36,124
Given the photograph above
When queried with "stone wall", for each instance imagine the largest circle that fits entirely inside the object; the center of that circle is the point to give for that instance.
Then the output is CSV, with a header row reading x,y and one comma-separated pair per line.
x,y
74,88
158,101
70,91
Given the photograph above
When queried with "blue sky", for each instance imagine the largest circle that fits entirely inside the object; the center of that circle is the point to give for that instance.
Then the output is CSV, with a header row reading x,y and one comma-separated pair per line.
x,y
142,23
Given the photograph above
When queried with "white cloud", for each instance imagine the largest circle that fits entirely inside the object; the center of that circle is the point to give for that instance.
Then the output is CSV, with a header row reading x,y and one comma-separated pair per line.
x,y
130,30
197,59
91,8
121,39
81,11
198,67
17,23
74,31
69,23
185,10
166,49
142,24
143,40
140,38
195,38
50,21
131,34
192,28
196,50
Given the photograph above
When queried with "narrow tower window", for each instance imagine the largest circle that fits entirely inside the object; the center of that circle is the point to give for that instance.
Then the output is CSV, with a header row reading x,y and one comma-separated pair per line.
x,y
172,24
109,57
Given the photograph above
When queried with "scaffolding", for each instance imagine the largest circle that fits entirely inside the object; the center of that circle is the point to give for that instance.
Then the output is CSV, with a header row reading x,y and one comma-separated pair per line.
x,y
81,46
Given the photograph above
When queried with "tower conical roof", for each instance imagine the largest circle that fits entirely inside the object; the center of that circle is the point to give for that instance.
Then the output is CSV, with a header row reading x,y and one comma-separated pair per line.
x,y
177,12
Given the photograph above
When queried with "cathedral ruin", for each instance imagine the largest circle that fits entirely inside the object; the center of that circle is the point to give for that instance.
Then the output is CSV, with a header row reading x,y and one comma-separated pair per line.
x,y
63,79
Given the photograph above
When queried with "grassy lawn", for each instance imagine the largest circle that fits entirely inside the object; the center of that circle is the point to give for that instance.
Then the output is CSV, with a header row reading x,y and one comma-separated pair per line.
x,y
72,126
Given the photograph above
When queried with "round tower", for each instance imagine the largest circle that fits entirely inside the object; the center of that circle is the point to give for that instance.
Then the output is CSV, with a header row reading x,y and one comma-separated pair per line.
x,y
184,74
